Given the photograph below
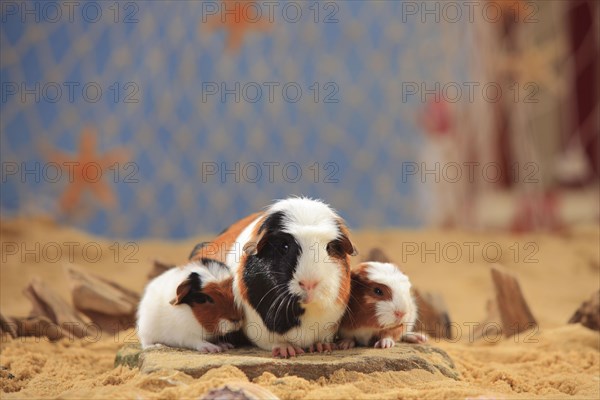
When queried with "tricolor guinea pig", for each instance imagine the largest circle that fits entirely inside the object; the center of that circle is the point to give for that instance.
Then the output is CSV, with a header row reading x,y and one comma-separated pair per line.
x,y
381,309
291,274
190,306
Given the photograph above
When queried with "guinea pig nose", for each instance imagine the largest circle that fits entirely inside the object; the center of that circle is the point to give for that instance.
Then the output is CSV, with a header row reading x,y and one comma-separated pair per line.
x,y
308,285
399,314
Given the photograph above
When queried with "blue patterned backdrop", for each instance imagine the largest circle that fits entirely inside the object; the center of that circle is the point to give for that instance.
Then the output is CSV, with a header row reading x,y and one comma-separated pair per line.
x,y
129,87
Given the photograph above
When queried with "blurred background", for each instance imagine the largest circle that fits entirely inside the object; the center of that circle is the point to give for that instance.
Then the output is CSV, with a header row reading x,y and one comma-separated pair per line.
x,y
155,119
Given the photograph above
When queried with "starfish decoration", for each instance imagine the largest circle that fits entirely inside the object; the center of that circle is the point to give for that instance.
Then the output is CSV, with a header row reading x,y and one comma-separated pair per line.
x,y
237,19
87,172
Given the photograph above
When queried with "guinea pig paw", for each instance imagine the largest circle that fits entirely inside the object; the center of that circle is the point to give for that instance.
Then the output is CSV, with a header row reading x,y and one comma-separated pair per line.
x,y
385,343
225,346
322,347
415,338
286,351
346,344
206,347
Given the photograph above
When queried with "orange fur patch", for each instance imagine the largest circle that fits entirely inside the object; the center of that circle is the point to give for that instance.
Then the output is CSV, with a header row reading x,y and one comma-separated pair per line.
x,y
222,244
361,307
345,283
240,276
217,249
255,236
344,262
209,314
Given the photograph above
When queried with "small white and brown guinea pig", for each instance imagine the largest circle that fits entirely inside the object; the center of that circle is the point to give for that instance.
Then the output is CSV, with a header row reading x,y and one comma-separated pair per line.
x,y
291,274
190,307
381,309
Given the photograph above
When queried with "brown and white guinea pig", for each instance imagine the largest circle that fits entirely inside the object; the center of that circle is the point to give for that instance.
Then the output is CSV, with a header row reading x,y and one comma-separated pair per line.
x,y
381,309
291,274
190,307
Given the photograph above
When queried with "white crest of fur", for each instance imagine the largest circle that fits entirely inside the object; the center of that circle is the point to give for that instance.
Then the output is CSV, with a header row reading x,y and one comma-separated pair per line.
x,y
160,322
306,217
212,271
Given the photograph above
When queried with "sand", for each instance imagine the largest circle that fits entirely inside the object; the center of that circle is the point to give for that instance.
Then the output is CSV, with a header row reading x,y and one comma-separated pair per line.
x,y
557,272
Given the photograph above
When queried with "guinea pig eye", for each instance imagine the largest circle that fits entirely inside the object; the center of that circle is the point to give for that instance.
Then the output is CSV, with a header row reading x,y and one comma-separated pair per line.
x,y
378,291
204,298
284,246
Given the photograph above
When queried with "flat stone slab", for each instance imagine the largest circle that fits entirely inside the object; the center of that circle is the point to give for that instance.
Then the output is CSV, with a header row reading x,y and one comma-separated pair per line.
x,y
253,361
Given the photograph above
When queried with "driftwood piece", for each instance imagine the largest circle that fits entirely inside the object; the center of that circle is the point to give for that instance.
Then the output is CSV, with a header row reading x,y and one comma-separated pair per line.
x,y
38,326
515,314
47,303
376,254
434,319
110,324
491,325
588,314
508,311
158,268
111,306
96,294
7,327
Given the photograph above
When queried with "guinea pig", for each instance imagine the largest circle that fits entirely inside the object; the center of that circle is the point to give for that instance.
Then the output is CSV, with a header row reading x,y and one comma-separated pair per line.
x,y
381,309
291,274
189,307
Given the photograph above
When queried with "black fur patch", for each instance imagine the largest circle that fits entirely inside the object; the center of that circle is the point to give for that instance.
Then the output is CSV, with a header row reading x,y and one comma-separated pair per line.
x,y
237,338
273,223
195,295
268,273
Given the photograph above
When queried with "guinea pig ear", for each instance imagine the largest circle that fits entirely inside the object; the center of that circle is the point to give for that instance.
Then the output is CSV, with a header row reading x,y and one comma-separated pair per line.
x,y
340,247
344,239
348,246
253,247
185,288
257,241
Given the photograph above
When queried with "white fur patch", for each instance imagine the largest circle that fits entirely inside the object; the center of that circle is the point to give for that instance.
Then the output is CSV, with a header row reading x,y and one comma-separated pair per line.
x,y
315,265
317,325
161,322
313,224
234,256
307,217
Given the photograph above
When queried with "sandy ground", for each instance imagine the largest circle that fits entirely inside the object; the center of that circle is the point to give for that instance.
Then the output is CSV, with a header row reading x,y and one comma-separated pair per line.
x,y
557,272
